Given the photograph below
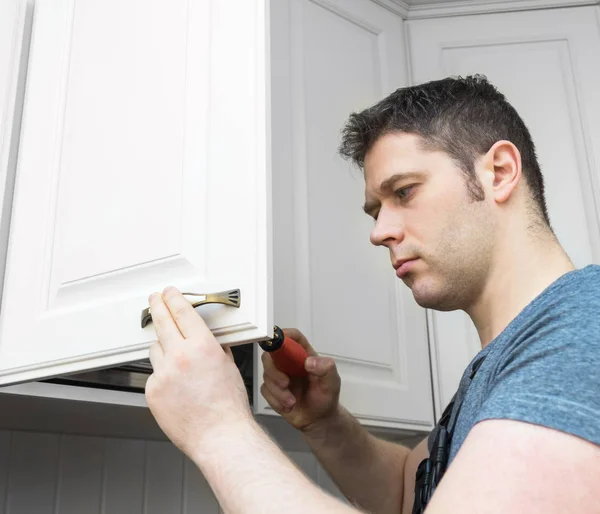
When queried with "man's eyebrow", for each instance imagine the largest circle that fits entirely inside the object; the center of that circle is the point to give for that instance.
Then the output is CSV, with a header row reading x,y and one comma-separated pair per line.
x,y
388,184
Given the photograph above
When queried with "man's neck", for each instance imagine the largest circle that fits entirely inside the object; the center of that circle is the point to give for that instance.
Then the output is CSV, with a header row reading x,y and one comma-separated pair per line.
x,y
523,270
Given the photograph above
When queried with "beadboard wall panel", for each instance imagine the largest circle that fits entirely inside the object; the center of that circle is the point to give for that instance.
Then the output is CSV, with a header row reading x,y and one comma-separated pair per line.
x,y
80,474
32,473
4,466
48,473
56,473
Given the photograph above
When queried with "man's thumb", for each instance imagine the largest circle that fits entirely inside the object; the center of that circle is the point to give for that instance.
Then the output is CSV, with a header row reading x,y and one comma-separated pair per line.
x,y
319,366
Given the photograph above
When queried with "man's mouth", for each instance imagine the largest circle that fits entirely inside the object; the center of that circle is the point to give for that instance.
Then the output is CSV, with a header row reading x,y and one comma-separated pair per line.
x,y
403,266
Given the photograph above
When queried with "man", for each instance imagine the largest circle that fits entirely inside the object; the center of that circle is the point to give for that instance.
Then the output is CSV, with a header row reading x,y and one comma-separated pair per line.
x,y
454,187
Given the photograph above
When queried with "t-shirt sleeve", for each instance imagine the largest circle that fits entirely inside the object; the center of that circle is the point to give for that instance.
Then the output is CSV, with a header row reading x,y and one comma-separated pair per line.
x,y
553,381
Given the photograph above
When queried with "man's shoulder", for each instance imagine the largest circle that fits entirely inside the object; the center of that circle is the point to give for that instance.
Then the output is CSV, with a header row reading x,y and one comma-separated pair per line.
x,y
544,364
555,350
570,304
579,287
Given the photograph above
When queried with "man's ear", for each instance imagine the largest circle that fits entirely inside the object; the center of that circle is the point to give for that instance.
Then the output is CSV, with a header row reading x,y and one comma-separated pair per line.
x,y
503,161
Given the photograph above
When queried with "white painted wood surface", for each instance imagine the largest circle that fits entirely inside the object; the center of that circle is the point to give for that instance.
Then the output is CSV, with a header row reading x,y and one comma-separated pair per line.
x,y
329,59
547,64
12,23
15,30
420,9
144,163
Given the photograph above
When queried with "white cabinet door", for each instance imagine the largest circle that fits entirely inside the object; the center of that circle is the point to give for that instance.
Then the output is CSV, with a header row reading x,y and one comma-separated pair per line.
x,y
330,58
144,162
15,26
548,65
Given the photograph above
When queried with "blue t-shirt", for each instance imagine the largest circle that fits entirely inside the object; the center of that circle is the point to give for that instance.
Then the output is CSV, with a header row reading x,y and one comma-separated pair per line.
x,y
543,368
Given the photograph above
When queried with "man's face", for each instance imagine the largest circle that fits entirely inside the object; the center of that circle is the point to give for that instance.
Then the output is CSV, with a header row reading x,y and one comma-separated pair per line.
x,y
424,213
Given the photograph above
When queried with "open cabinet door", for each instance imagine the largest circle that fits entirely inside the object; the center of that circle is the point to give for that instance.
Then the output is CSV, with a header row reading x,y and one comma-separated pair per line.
x,y
15,34
144,162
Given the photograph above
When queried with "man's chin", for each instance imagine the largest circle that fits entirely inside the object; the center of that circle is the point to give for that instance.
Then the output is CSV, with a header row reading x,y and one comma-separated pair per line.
x,y
434,304
430,296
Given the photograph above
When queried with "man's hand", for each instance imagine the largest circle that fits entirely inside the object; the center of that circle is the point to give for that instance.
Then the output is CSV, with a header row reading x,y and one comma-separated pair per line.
x,y
196,387
303,402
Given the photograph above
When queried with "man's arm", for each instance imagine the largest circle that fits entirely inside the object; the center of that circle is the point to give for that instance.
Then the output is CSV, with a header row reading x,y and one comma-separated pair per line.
x,y
512,466
367,470
370,472
248,473
198,398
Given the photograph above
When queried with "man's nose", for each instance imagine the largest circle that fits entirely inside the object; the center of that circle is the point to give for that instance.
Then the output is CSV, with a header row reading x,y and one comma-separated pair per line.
x,y
388,228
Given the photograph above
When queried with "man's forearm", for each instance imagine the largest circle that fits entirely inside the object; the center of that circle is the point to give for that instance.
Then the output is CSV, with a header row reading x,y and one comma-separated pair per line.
x,y
367,470
250,474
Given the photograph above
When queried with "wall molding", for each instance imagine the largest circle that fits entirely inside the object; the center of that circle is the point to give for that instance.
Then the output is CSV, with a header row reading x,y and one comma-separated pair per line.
x,y
465,7
396,6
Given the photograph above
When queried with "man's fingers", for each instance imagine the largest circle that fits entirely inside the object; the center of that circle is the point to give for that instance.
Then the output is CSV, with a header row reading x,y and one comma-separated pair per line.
x,y
275,404
156,355
271,370
228,352
299,337
320,366
164,325
281,394
188,320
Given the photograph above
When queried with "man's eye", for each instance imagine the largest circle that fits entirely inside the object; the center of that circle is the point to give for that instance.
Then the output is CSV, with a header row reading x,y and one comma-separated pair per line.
x,y
404,192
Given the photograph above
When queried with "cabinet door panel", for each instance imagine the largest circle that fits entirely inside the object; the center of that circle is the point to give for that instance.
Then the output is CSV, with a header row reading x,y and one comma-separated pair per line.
x,y
144,163
15,32
546,63
330,59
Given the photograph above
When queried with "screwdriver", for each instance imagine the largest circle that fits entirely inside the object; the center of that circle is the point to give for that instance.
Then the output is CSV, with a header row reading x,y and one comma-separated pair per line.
x,y
288,355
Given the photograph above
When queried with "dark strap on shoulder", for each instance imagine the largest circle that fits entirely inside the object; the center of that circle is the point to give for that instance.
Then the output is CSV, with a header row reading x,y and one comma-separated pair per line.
x,y
431,469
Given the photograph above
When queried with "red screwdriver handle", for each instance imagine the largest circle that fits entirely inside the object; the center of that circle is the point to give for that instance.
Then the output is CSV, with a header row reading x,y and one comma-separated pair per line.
x,y
290,358
288,355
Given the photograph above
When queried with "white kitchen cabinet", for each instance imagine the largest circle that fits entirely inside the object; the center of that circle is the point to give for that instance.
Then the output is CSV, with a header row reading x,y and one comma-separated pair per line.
x,y
330,58
146,155
144,162
547,63
12,28
149,134
15,32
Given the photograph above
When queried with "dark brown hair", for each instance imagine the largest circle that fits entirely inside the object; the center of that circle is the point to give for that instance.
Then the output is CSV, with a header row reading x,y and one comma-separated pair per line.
x,y
463,117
